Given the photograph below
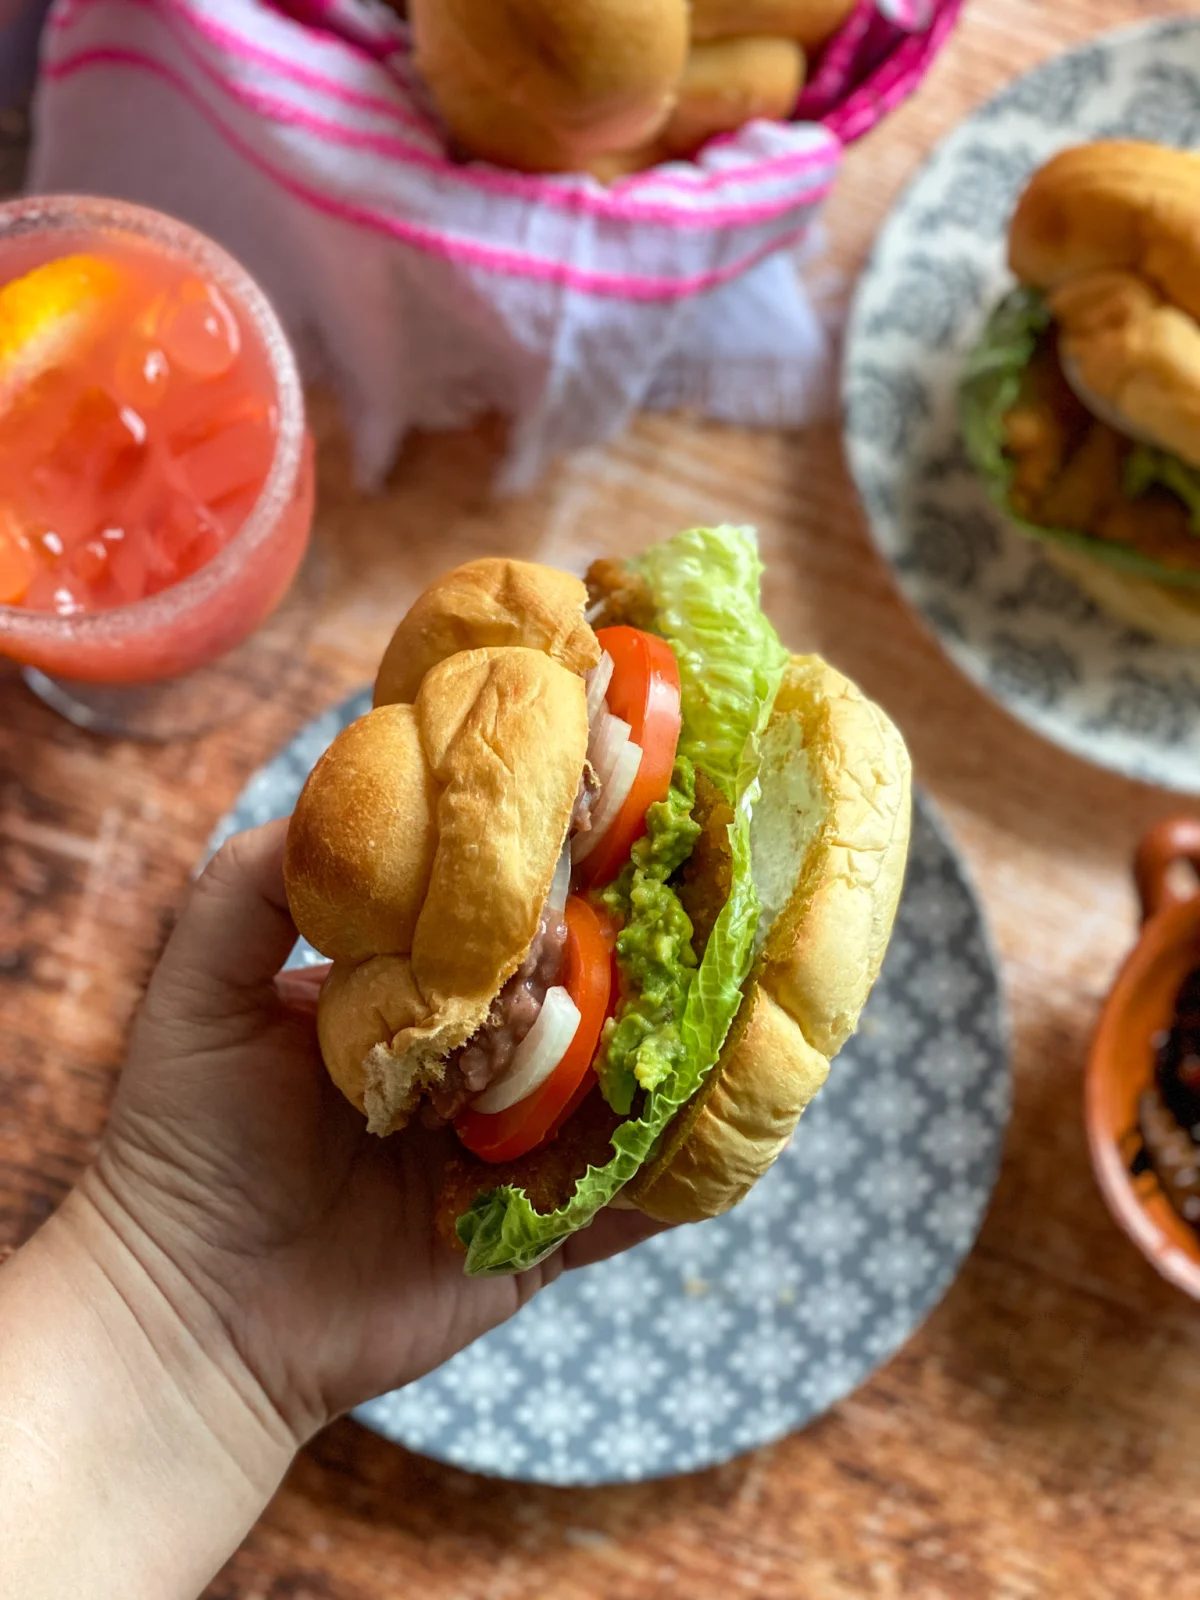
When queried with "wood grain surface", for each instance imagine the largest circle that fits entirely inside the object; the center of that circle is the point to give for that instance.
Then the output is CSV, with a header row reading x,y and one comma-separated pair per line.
x,y
1041,1435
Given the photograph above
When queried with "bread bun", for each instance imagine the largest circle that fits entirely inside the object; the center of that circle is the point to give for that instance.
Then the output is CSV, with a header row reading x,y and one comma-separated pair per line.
x,y
413,821
1132,357
1111,233
834,770
1166,611
361,843
364,1008
547,85
1112,204
488,603
730,82
809,22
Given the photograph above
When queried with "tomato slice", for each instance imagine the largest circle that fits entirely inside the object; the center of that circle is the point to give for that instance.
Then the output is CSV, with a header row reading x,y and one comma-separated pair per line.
x,y
644,692
504,1135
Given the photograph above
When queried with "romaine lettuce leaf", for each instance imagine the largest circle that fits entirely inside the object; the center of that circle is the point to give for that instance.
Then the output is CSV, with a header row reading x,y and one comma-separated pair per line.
x,y
991,385
1148,468
705,586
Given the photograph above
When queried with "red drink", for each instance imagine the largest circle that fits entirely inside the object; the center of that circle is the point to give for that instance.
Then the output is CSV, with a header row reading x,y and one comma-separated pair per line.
x,y
155,478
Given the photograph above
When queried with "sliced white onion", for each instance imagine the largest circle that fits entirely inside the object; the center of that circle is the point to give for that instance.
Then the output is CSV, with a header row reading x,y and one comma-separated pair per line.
x,y
537,1055
612,797
598,680
608,739
560,883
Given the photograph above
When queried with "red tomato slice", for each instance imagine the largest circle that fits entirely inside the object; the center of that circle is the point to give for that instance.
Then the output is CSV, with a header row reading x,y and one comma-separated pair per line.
x,y
644,692
504,1135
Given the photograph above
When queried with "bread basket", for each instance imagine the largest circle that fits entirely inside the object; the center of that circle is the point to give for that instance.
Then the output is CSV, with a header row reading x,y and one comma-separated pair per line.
x,y
430,291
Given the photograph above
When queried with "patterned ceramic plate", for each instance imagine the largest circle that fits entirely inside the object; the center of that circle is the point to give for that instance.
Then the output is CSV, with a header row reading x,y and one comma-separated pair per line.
x,y
716,1338
1004,614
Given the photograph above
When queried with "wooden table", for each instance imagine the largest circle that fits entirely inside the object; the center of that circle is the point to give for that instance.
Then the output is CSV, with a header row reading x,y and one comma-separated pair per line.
x,y
1036,1437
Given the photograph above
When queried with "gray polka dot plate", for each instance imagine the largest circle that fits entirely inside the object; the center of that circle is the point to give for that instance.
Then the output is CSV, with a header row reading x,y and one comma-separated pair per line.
x,y
1007,617
712,1339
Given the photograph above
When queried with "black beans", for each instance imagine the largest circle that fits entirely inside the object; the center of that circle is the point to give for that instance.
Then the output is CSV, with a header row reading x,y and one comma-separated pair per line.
x,y
1169,1111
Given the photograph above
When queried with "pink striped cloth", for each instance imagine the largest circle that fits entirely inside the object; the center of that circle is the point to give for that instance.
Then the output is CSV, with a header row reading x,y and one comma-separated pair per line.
x,y
429,291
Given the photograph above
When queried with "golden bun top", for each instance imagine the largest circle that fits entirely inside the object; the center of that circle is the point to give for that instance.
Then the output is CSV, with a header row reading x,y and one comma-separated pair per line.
x,y
830,841
421,850
1110,232
1112,205
548,85
490,602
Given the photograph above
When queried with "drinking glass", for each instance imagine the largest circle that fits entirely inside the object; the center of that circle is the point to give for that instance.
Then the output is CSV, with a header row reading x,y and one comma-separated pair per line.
x,y
184,659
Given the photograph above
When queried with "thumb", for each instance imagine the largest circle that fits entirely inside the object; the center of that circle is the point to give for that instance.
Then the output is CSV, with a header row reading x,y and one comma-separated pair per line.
x,y
234,934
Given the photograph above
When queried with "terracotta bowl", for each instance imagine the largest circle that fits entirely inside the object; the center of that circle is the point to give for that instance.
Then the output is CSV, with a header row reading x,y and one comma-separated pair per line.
x,y
1121,1064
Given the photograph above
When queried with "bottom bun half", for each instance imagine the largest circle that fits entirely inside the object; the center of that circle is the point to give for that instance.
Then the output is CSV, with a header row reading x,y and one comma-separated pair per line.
x,y
830,840
1165,611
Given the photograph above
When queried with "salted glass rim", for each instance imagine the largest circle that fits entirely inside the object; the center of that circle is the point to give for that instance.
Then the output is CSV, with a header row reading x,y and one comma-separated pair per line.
x,y
68,214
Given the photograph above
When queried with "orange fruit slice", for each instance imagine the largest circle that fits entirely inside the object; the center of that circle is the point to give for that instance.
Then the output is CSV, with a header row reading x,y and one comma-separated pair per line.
x,y
48,314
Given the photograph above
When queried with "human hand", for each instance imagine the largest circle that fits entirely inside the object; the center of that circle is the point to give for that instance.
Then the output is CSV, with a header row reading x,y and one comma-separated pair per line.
x,y
241,1263
233,1164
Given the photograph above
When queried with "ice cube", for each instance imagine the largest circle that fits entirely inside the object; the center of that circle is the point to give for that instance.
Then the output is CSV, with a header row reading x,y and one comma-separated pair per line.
x,y
235,510
97,454
34,424
128,563
51,591
198,331
141,376
184,538
235,457
18,558
90,562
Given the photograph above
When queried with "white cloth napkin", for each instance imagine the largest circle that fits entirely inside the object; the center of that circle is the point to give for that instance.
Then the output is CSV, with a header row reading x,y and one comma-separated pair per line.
x,y
426,291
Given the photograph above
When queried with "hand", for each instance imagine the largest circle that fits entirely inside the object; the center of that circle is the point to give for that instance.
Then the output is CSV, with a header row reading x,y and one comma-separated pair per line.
x,y
241,1263
233,1166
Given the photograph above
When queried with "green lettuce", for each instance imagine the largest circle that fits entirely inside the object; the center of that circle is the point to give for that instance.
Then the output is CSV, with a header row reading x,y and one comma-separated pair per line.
x,y
705,587
1148,468
705,584
991,386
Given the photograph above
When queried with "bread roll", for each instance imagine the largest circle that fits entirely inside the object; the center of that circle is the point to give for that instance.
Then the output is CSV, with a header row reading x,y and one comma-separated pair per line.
x,y
809,22
415,819
1110,232
1134,358
1113,204
364,1007
830,840
729,83
547,85
505,733
361,843
484,604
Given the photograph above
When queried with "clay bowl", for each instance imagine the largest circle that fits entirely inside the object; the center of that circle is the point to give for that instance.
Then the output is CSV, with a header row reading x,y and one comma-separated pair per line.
x,y
1121,1064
